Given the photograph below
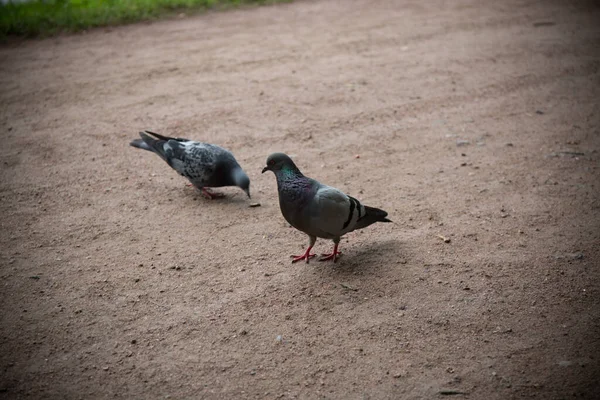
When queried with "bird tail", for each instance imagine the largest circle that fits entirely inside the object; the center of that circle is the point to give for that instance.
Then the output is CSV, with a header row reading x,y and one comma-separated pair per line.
x,y
165,138
140,144
371,216
154,144
149,143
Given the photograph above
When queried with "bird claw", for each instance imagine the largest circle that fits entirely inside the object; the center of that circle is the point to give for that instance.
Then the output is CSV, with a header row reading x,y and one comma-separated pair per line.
x,y
305,256
212,195
333,256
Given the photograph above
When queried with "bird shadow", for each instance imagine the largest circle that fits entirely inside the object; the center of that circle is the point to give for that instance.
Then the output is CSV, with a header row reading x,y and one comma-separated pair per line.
x,y
366,258
225,196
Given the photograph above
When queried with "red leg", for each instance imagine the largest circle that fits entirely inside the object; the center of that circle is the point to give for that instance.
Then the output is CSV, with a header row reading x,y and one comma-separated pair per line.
x,y
306,256
333,255
211,195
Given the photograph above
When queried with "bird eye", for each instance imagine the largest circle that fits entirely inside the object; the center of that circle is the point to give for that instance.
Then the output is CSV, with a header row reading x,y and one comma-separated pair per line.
x,y
272,162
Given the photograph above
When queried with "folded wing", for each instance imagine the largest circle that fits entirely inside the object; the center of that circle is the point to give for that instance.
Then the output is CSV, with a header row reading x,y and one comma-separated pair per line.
x,y
333,213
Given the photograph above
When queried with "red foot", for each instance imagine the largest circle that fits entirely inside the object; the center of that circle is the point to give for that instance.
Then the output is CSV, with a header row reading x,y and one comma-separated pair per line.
x,y
306,256
211,195
331,256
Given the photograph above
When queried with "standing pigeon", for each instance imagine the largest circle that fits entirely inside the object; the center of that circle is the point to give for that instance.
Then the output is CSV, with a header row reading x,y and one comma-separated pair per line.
x,y
316,209
204,165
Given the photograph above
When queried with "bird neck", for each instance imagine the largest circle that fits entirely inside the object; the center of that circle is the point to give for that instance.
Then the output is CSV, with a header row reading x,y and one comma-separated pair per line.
x,y
288,172
238,175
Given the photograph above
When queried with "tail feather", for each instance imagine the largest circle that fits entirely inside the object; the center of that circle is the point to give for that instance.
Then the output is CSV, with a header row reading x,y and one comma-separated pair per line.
x,y
371,216
140,144
153,144
147,142
162,137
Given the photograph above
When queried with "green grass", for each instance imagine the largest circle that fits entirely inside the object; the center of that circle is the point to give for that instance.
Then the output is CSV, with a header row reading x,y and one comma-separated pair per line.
x,y
42,18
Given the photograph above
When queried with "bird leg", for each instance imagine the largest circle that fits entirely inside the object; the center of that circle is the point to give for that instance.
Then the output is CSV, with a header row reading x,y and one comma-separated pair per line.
x,y
306,256
211,195
207,193
333,255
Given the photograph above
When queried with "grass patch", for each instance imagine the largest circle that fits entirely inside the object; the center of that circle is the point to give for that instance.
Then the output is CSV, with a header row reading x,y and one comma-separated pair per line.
x,y
43,18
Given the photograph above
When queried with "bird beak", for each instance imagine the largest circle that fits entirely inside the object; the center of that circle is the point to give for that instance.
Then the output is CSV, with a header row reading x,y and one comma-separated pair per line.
x,y
248,193
265,169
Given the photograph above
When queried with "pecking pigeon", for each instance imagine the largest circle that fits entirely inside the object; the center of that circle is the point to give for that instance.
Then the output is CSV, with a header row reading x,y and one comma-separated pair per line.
x,y
204,165
316,209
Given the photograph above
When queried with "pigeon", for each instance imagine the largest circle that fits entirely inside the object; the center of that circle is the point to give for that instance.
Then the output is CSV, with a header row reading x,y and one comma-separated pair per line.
x,y
204,165
317,209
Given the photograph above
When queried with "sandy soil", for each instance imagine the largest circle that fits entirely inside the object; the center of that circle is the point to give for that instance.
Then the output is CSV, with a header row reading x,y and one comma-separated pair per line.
x,y
476,122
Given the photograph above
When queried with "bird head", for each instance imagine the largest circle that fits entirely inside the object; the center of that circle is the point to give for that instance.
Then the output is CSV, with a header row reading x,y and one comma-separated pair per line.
x,y
278,161
242,181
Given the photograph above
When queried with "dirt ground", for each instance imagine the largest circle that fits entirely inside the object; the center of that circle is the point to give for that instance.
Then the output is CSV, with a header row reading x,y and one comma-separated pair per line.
x,y
476,122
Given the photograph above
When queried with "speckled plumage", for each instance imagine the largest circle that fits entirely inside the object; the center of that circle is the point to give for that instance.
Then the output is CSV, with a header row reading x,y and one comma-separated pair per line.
x,y
203,164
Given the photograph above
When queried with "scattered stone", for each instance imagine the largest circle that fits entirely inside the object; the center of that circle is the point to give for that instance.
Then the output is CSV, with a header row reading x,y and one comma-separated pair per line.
x,y
570,256
450,392
565,153
346,286
564,363
539,112
444,238
461,142
254,205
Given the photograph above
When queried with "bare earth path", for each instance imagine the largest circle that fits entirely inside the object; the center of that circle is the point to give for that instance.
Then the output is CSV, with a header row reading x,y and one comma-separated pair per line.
x,y
476,121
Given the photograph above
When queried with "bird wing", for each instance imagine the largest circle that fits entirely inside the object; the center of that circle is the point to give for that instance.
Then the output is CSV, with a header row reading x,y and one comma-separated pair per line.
x,y
332,213
193,160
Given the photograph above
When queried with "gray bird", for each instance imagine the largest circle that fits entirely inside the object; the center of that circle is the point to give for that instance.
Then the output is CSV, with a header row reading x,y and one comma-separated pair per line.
x,y
204,165
316,209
